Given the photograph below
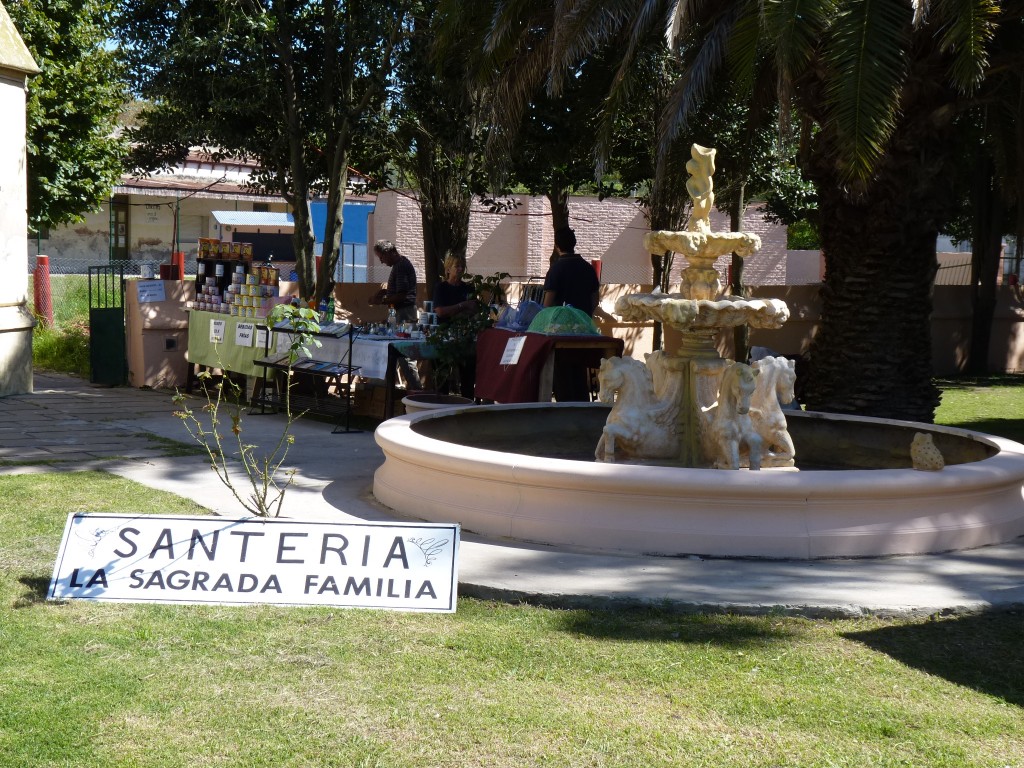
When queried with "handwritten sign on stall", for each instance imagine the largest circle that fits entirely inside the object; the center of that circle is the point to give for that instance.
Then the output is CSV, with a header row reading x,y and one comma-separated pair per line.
x,y
245,333
513,349
217,331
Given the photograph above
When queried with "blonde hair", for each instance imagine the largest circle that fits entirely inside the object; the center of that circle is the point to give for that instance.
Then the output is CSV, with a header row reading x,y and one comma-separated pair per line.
x,y
451,261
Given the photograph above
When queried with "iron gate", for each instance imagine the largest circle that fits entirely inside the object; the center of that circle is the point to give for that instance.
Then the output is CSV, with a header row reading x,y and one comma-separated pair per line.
x,y
107,362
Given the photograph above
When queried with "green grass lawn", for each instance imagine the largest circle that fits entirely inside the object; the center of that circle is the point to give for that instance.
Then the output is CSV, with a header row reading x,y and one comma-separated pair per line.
x,y
993,404
102,685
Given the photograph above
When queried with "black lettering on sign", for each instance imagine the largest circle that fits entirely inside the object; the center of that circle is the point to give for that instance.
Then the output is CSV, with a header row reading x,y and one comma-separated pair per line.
x,y
163,542
197,538
281,548
245,542
324,548
123,536
79,579
352,587
397,551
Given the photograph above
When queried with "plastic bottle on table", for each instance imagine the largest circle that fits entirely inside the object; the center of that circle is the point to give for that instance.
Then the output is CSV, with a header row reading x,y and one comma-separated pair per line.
x,y
392,321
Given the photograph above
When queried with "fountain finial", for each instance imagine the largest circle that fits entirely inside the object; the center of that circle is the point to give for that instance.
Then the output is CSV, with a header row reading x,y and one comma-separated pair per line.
x,y
701,167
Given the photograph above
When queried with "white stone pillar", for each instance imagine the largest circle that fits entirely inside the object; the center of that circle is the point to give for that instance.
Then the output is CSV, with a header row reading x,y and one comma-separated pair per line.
x,y
16,66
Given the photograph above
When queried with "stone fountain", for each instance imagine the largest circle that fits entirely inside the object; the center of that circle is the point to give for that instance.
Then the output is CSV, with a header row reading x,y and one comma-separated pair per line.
x,y
833,485
696,414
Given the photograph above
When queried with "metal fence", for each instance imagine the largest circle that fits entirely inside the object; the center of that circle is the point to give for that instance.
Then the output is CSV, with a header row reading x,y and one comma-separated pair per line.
x,y
69,287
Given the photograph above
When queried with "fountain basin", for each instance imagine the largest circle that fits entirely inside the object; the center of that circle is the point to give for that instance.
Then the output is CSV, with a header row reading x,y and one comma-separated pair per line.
x,y
525,472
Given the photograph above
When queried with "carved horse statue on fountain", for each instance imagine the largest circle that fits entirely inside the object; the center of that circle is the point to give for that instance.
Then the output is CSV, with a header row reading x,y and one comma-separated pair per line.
x,y
775,384
731,432
642,422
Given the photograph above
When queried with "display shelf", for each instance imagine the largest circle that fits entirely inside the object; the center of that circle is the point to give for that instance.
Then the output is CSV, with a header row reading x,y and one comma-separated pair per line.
x,y
271,395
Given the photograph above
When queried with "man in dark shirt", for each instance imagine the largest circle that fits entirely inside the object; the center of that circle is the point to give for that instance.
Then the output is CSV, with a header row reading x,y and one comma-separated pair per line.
x,y
571,279
400,292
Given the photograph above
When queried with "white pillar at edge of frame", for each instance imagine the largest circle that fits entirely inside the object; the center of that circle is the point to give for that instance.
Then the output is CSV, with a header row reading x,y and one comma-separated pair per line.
x,y
16,322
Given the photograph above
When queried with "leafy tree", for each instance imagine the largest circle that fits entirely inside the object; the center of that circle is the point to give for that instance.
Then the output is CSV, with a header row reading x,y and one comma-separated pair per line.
x,y
437,112
876,87
291,83
74,154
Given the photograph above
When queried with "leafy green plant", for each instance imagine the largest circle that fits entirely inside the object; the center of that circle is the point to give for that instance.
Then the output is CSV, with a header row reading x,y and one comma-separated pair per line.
x,y
224,404
454,343
62,348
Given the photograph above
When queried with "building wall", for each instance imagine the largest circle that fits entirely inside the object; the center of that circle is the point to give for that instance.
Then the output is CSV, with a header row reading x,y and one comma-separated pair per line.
x,y
151,229
15,321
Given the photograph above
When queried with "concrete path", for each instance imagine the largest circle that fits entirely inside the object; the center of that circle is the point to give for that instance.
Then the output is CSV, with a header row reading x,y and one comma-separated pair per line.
x,y
68,424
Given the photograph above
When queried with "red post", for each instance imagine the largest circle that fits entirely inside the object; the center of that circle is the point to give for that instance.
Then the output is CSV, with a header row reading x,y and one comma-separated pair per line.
x,y
42,295
178,262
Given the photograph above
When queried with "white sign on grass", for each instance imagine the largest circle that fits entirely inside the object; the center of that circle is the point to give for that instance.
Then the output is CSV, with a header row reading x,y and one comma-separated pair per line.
x,y
179,559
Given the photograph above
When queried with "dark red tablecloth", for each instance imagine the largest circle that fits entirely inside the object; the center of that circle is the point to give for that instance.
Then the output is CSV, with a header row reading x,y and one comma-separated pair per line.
x,y
519,383
510,383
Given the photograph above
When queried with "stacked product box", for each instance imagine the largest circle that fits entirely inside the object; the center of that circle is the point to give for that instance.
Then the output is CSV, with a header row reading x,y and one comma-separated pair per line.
x,y
228,282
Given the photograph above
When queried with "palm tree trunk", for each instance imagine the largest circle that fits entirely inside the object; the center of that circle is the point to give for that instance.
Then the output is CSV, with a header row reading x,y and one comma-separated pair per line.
x,y
872,353
986,249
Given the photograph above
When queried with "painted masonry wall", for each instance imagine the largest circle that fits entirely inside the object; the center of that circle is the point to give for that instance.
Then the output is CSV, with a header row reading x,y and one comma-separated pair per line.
x,y
15,321
150,229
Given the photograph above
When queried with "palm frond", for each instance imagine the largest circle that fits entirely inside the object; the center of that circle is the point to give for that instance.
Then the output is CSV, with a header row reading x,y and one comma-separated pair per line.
x,y
706,48
866,58
966,31
796,28
744,49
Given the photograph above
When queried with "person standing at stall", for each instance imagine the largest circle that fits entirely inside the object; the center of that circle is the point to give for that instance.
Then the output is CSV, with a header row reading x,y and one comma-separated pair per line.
x,y
571,279
400,295
453,299
400,292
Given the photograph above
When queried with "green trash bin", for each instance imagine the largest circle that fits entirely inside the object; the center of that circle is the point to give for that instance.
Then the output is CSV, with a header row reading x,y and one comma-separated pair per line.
x,y
108,363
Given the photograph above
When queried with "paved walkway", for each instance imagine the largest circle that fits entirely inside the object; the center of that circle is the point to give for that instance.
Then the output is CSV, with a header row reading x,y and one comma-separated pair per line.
x,y
67,425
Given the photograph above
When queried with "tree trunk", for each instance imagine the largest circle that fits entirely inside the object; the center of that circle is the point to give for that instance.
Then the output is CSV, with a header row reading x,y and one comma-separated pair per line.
x,y
986,249
558,199
445,219
871,354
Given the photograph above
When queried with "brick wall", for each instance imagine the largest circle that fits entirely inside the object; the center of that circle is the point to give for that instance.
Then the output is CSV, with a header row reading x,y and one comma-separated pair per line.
x,y
520,241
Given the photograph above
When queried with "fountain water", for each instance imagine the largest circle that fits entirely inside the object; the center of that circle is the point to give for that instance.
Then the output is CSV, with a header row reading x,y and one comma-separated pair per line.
x,y
525,471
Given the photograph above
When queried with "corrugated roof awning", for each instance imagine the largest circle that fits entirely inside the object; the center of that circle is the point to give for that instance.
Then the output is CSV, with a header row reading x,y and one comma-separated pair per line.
x,y
262,219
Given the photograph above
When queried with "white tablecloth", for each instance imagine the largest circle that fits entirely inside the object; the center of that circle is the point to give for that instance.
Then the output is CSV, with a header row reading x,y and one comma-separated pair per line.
x,y
369,355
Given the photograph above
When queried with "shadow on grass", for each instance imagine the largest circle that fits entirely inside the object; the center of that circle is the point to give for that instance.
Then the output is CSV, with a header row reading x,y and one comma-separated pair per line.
x,y
982,651
37,588
1011,429
653,625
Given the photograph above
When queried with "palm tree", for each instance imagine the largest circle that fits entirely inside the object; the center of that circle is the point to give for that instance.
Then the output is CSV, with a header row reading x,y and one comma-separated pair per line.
x,y
875,87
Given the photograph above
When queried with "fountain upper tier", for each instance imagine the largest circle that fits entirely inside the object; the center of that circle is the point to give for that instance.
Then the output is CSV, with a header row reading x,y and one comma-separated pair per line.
x,y
699,304
684,313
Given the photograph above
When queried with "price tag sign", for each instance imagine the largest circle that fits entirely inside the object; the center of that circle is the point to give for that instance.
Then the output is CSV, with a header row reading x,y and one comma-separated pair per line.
x,y
245,333
217,331
261,338
513,349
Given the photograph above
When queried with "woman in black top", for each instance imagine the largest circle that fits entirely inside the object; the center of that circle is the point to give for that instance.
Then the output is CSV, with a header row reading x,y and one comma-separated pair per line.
x,y
452,300
451,296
